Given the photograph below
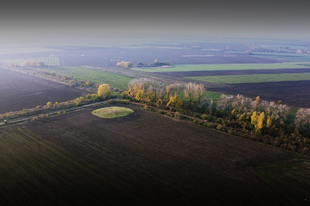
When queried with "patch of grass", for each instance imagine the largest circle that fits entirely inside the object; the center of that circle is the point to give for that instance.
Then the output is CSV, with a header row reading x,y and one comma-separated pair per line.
x,y
291,178
112,112
93,75
253,78
213,95
214,67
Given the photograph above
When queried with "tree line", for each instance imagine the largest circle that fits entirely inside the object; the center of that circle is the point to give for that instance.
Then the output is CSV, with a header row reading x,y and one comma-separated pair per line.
x,y
265,121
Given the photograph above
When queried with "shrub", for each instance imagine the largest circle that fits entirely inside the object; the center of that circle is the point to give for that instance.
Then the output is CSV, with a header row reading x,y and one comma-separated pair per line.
x,y
112,101
219,127
49,104
124,64
211,125
204,116
218,120
95,97
195,121
177,115
125,101
160,112
34,118
196,115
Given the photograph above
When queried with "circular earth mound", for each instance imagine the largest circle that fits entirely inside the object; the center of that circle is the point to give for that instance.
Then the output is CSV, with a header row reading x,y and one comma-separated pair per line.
x,y
112,112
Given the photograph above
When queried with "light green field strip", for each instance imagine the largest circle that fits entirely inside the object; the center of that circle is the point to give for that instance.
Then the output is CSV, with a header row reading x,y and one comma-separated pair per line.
x,y
214,67
254,78
49,61
213,95
93,75
26,50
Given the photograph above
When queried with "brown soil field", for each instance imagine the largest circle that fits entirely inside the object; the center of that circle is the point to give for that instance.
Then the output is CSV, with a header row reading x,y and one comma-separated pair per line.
x,y
18,91
292,93
165,161
103,56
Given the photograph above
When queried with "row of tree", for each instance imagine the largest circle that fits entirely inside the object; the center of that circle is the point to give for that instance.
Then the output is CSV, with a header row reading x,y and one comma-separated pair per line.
x,y
32,63
276,123
124,64
268,111
158,92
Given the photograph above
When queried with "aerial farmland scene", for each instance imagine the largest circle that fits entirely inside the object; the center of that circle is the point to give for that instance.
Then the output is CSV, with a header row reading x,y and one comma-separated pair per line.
x,y
155,103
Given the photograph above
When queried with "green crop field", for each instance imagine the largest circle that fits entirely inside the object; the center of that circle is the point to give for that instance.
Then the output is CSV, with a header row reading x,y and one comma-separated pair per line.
x,y
93,75
253,78
214,67
49,61
213,95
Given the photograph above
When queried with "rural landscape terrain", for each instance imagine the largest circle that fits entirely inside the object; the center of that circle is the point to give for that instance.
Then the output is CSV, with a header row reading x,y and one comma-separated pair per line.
x,y
218,122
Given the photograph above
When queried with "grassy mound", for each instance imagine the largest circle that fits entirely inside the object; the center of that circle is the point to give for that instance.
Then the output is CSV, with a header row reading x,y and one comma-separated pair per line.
x,y
112,112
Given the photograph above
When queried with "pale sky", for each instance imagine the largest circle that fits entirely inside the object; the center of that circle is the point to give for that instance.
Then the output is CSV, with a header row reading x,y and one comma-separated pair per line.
x,y
70,21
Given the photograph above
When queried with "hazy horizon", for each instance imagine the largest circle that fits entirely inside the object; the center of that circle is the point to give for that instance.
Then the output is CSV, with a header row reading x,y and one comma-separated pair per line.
x,y
57,22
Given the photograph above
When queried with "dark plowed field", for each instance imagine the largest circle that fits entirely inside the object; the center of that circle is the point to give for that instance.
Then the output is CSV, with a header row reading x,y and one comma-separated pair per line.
x,y
18,91
109,57
293,93
233,72
161,160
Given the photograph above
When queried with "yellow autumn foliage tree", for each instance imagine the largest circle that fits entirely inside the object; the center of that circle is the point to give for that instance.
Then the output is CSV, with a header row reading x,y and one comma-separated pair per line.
x,y
175,101
254,118
139,96
258,120
269,121
168,93
150,95
104,90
